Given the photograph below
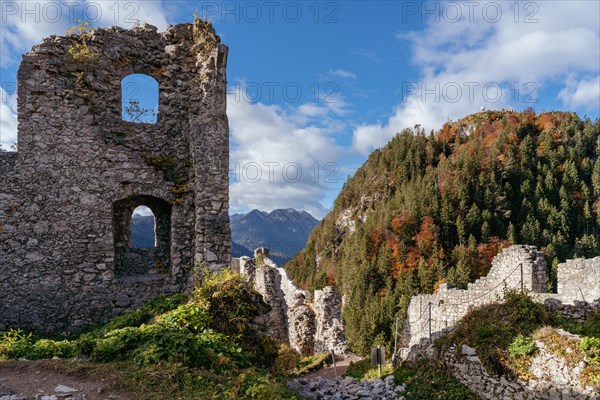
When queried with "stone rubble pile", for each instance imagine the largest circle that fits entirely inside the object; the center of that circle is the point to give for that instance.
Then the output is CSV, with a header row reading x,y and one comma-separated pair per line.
x,y
348,388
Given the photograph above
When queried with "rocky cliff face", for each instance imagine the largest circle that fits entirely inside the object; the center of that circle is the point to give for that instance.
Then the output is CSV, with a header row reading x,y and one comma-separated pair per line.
x,y
307,326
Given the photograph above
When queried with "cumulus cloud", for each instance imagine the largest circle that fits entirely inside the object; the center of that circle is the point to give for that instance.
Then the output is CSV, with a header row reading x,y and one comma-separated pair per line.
x,y
8,119
342,73
25,24
583,94
473,63
281,158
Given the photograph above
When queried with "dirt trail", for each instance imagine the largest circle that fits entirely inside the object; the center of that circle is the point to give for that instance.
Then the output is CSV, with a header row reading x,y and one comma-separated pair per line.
x,y
329,372
39,380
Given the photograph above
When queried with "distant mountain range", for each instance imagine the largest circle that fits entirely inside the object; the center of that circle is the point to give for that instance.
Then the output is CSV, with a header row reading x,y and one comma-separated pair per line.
x,y
284,232
142,231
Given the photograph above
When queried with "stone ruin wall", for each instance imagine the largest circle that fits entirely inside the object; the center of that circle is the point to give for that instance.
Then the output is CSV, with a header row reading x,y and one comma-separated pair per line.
x,y
553,378
308,325
578,282
67,195
552,375
578,292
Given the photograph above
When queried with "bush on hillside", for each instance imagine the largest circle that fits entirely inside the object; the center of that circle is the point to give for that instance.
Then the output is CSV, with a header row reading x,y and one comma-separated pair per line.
x,y
213,330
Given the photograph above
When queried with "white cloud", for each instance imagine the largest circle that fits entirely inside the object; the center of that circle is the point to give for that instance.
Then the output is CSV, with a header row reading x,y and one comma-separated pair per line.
x,y
369,54
584,93
278,157
143,211
466,65
25,24
341,73
8,119
130,12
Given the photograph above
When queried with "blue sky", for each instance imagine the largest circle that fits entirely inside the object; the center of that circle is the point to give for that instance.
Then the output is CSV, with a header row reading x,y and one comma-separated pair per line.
x,y
315,86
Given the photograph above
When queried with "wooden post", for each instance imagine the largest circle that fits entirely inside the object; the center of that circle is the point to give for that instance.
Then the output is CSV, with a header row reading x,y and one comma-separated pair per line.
x,y
395,343
333,359
429,321
522,285
379,360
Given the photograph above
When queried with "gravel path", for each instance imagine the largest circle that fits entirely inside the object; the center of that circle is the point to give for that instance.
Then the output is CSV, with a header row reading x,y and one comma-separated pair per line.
x,y
48,380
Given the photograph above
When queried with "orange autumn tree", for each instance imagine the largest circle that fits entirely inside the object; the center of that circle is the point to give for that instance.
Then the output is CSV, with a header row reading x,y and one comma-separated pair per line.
x,y
429,208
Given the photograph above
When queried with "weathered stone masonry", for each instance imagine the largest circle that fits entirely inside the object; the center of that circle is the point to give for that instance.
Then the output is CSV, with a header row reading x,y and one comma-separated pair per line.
x,y
67,196
577,298
308,326
514,268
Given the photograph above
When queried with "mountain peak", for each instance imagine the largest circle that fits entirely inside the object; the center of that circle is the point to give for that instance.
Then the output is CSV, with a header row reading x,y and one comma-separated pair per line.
x,y
283,231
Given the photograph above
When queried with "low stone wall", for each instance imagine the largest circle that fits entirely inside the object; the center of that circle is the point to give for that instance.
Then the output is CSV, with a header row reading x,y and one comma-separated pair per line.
x,y
553,378
308,327
577,298
577,312
515,267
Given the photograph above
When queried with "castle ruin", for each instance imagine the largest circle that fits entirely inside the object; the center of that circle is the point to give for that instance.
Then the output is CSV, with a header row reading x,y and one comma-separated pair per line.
x,y
518,267
67,196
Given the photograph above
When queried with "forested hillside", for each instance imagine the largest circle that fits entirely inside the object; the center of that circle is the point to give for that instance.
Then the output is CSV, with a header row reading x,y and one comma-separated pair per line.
x,y
427,209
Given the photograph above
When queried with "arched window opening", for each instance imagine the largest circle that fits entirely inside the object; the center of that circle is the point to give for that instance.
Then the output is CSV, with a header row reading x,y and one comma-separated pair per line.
x,y
142,236
143,228
139,99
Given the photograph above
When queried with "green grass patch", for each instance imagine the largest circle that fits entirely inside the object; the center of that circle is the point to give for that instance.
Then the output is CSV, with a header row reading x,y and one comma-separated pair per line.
x,y
289,363
429,380
364,370
201,346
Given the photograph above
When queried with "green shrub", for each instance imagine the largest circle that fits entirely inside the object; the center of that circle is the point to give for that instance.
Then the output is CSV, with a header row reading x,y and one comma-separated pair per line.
x,y
591,347
232,306
428,379
15,344
262,387
109,349
86,344
592,325
45,348
202,348
312,363
144,314
492,328
287,361
188,316
521,346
